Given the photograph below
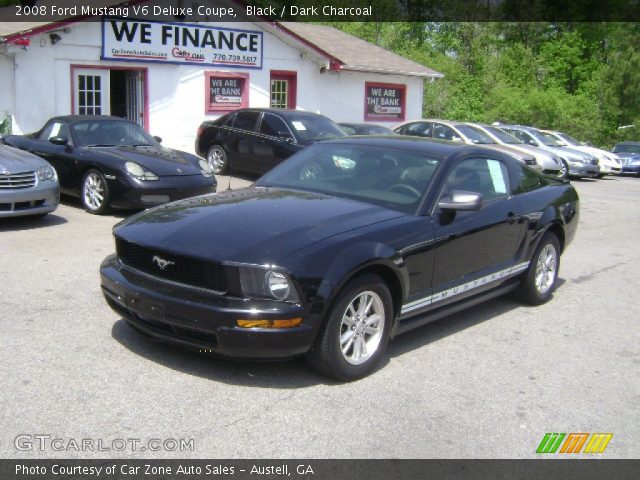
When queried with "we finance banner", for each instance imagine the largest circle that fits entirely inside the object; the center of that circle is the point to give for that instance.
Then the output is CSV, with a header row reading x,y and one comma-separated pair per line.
x,y
181,43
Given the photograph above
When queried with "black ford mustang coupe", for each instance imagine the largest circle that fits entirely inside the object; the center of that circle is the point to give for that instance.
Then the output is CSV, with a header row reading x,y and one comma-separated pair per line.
x,y
111,162
340,248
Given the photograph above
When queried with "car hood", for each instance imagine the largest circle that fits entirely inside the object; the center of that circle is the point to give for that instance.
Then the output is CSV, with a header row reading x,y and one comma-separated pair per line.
x,y
537,152
519,154
596,152
161,161
256,225
567,153
13,160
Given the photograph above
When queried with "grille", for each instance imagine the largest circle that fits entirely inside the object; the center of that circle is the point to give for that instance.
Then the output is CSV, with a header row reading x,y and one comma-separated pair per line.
x,y
17,180
180,269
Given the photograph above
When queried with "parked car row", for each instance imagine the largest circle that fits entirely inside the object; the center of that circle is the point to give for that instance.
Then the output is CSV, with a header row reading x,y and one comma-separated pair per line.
x,y
109,162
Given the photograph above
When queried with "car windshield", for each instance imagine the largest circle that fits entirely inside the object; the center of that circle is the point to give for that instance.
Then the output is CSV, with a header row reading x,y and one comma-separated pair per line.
x,y
388,177
627,148
503,136
569,139
108,133
475,134
311,127
548,140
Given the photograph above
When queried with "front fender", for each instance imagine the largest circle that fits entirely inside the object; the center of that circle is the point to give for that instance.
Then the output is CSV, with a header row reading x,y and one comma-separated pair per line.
x,y
357,258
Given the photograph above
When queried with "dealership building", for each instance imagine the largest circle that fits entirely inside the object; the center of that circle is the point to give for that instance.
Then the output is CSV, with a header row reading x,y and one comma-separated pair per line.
x,y
171,74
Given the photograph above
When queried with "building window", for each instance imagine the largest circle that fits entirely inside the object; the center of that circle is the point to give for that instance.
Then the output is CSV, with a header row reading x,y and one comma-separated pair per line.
x,y
89,95
283,89
385,102
225,91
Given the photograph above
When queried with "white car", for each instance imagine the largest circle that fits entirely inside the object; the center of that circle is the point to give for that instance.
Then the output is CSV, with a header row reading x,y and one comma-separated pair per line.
x,y
610,163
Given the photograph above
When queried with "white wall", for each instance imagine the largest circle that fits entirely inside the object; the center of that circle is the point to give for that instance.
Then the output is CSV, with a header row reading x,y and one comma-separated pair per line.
x,y
176,93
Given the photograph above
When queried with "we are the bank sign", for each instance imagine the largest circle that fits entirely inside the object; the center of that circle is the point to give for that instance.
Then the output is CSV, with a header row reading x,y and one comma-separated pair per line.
x,y
146,41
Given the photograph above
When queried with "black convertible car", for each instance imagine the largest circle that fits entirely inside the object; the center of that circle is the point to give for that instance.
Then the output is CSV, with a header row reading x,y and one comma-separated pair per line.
x,y
340,248
111,162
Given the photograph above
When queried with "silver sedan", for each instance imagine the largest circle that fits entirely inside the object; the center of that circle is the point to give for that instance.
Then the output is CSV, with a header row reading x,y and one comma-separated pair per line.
x,y
28,184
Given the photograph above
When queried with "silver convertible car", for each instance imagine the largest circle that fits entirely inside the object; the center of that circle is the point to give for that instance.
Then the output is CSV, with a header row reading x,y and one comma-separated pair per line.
x,y
28,184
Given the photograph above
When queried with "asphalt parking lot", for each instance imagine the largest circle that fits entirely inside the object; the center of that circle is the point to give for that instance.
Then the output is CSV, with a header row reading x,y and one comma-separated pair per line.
x,y
486,383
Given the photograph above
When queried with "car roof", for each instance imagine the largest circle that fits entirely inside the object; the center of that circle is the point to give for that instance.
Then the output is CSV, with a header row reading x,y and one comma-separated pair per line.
x,y
432,146
78,118
628,143
280,111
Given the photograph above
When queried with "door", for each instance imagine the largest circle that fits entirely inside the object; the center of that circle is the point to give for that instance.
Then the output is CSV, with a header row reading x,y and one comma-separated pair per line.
x,y
61,157
134,97
274,145
476,246
242,142
92,92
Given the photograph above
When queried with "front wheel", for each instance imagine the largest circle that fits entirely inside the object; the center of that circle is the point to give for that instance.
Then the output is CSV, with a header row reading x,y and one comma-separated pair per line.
x,y
217,158
541,277
356,332
95,193
564,170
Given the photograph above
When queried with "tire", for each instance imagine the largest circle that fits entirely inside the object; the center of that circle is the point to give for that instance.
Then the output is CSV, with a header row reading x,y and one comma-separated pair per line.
x,y
217,158
541,277
338,352
601,175
564,170
95,192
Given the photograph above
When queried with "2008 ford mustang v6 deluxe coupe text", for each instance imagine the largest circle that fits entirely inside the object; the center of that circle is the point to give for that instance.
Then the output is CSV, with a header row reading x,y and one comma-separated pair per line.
x,y
340,248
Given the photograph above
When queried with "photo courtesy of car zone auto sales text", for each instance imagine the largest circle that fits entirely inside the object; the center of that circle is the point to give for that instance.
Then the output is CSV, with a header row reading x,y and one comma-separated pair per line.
x,y
332,240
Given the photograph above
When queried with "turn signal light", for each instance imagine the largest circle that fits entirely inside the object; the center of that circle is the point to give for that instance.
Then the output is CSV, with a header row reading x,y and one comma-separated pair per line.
x,y
289,323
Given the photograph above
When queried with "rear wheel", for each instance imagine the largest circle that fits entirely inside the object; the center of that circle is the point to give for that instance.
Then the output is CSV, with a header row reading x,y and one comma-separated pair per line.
x,y
356,332
217,158
541,277
95,192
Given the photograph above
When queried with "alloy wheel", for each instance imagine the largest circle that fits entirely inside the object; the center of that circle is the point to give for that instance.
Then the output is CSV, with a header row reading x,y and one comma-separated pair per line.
x,y
546,269
362,327
217,159
93,191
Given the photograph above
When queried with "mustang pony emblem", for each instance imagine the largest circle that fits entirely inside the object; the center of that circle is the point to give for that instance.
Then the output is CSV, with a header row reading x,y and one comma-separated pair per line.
x,y
161,262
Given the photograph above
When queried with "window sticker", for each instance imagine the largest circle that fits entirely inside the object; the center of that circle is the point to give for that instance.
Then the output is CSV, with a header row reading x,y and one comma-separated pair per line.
x,y
299,126
55,130
497,177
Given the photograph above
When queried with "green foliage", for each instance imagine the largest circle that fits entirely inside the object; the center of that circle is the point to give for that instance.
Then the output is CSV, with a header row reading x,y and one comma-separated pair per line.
x,y
5,125
581,78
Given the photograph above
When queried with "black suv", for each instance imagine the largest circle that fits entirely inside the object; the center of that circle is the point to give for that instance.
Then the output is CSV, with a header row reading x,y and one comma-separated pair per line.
x,y
257,139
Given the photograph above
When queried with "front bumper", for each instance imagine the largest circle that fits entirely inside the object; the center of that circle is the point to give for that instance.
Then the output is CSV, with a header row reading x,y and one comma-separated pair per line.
x,y
630,170
128,192
43,198
584,170
201,320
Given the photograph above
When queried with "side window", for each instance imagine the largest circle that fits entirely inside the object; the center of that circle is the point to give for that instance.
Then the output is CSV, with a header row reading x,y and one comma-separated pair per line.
x,y
272,125
246,120
480,175
443,132
418,129
229,120
54,129
526,180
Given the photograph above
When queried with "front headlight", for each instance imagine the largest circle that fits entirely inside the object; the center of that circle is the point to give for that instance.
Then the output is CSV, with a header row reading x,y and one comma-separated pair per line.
x,y
267,284
46,173
205,168
139,172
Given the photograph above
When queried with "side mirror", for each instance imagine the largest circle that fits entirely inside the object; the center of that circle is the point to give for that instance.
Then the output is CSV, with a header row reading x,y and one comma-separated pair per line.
x,y
157,138
284,135
59,141
456,139
461,200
